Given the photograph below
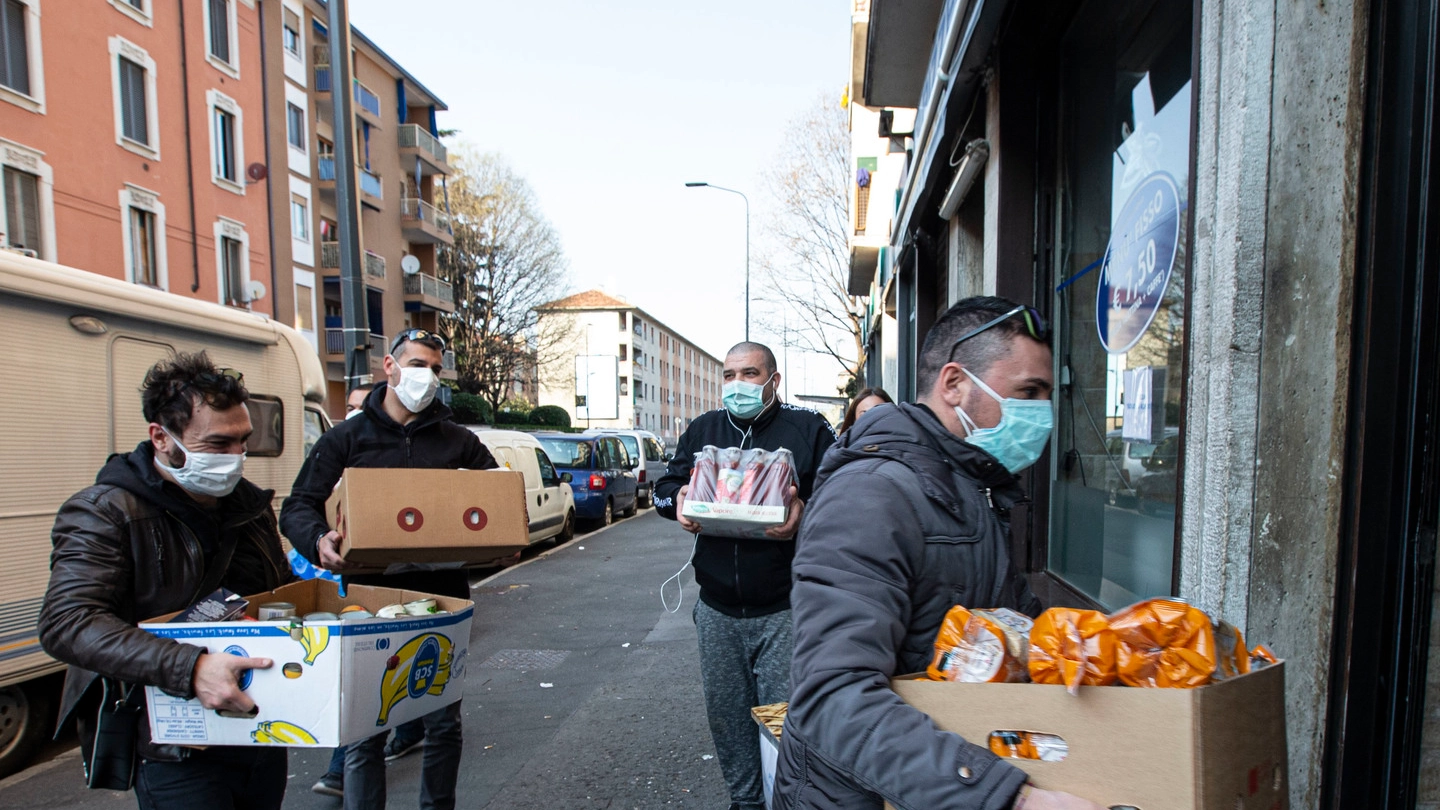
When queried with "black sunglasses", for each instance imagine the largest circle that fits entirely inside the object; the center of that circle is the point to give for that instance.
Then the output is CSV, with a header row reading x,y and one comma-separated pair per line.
x,y
420,335
1034,324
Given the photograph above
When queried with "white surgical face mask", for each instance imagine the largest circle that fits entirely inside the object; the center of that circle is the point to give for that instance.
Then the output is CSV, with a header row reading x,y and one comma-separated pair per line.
x,y
417,388
213,474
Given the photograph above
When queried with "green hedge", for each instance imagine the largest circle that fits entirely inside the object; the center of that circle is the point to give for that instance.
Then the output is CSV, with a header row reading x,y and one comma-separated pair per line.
x,y
470,409
551,416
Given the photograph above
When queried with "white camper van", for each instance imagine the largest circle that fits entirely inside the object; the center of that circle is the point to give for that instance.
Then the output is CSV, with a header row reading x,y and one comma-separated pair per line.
x,y
79,346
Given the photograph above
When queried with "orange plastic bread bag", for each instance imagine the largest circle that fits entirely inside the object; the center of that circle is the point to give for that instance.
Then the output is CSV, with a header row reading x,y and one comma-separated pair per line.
x,y
982,646
1232,659
1073,648
1164,643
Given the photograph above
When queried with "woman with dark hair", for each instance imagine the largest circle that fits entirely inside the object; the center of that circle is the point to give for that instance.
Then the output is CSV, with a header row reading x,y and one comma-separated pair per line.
x,y
863,401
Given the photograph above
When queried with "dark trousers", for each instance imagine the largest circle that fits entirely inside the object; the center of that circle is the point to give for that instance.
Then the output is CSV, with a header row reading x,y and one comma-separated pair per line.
x,y
439,765
219,778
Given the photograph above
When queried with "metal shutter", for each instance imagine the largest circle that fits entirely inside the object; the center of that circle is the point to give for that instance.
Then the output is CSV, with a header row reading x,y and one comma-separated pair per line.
x,y
22,209
14,55
134,122
220,30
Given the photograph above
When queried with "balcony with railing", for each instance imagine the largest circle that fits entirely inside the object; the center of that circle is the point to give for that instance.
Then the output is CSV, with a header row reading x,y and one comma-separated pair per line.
x,y
372,189
374,264
417,142
321,56
424,291
367,104
325,170
330,257
423,223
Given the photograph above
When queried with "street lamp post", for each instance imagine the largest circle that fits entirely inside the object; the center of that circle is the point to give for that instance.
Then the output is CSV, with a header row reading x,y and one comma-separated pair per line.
x,y
747,245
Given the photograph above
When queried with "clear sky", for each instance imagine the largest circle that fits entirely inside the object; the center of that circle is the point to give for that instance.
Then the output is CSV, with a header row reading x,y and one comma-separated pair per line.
x,y
607,108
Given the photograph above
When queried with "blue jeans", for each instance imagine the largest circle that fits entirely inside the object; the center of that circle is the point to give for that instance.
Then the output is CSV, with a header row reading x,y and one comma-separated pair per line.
x,y
219,778
439,767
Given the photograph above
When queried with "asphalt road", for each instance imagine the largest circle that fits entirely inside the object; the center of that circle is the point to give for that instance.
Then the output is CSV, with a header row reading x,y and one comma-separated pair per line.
x,y
583,692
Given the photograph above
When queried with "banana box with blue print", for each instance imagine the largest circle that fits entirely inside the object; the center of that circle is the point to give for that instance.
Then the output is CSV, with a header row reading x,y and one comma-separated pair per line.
x,y
333,682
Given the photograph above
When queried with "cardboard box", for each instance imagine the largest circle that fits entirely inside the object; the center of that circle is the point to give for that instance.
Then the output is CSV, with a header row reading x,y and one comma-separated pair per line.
x,y
1219,747
734,519
771,719
333,682
391,516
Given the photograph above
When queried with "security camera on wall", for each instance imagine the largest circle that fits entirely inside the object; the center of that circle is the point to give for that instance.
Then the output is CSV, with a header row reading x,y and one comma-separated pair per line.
x,y
409,265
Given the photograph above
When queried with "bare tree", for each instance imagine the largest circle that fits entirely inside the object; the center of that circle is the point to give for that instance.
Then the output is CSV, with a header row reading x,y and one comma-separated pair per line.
x,y
506,260
806,259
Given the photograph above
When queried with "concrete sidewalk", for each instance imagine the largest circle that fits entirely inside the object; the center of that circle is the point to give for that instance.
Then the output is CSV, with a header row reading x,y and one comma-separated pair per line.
x,y
581,692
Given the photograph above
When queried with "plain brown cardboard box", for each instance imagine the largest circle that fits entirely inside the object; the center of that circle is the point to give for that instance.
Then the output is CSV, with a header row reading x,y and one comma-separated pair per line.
x,y
418,515
1219,747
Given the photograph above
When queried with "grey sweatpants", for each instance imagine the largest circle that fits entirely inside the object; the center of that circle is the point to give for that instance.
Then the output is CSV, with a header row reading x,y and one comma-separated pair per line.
x,y
743,663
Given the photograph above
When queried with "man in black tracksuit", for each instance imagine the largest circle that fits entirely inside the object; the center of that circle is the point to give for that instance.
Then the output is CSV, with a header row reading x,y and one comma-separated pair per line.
x,y
402,426
743,615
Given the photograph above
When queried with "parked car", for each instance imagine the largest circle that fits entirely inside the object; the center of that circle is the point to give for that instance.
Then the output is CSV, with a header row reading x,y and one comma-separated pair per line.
x,y
1128,464
600,468
549,498
647,458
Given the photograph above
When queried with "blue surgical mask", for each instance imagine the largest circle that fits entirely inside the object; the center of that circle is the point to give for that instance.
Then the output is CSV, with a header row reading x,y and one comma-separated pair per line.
x,y
1022,434
744,400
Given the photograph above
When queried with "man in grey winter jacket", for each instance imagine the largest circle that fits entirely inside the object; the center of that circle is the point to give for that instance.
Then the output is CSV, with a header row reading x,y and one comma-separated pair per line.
x,y
911,516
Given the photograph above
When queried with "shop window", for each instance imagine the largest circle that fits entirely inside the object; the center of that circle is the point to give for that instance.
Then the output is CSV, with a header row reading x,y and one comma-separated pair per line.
x,y
1120,301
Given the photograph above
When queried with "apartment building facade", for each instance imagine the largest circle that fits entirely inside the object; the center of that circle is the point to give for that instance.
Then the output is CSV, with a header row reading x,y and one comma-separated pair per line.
x,y
661,381
132,143
400,176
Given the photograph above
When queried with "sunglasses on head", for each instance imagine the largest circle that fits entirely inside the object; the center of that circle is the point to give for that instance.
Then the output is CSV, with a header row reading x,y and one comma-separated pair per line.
x,y
220,374
1034,324
420,335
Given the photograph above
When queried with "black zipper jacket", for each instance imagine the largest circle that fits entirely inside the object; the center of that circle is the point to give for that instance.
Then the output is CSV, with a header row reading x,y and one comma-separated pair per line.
x,y
747,577
429,441
132,547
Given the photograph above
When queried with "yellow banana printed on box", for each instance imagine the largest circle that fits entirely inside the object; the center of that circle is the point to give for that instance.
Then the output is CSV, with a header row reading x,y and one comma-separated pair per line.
x,y
420,667
281,732
314,639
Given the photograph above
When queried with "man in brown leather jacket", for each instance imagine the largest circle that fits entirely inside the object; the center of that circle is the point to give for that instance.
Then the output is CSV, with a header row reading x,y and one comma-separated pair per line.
x,y
160,524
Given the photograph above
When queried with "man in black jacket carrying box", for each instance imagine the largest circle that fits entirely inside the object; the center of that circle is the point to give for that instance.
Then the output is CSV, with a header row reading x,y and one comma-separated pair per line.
x,y
402,426
743,615
162,527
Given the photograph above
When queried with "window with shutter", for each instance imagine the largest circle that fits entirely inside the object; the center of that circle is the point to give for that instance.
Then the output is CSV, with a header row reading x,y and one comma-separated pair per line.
x,y
133,121
22,209
232,271
14,50
225,167
291,35
142,247
220,30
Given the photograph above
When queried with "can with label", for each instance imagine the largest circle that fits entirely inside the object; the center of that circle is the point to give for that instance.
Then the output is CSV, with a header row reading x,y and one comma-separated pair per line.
x,y
272,611
391,611
420,607
321,616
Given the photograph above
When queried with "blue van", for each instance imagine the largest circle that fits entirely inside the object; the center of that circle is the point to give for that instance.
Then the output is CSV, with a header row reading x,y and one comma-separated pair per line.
x,y
600,470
